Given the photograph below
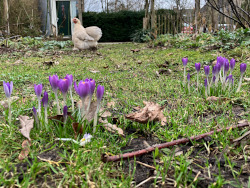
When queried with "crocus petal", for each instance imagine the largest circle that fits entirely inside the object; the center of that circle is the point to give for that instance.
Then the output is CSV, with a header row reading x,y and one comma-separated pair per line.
x,y
185,61
232,63
205,82
206,69
226,66
63,85
76,88
6,90
45,99
243,67
99,92
53,80
65,111
11,87
197,67
70,79
38,90
83,89
188,77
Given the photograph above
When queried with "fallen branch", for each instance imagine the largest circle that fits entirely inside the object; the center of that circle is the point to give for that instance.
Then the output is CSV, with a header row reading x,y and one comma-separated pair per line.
x,y
106,158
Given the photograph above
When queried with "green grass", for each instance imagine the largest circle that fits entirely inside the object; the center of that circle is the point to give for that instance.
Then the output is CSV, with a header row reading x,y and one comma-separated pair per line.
x,y
129,79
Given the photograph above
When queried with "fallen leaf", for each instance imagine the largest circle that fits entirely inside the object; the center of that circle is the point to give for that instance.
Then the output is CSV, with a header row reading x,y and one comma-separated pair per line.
x,y
139,62
77,129
111,104
247,79
59,117
214,99
94,71
151,112
18,62
25,149
26,125
111,127
105,113
242,121
135,50
165,71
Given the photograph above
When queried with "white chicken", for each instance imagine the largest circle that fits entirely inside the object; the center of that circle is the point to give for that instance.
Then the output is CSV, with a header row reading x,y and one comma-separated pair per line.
x,y
85,38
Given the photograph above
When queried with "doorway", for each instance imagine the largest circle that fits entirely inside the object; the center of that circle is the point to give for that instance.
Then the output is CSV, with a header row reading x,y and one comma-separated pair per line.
x,y
63,16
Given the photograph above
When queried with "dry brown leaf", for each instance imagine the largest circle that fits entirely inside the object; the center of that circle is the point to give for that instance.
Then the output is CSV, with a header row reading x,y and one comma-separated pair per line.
x,y
18,62
77,129
26,125
26,149
214,99
94,71
135,50
92,109
247,79
151,112
111,127
111,104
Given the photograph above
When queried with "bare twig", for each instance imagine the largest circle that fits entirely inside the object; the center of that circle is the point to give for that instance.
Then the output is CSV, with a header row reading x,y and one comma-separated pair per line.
x,y
145,181
243,136
106,158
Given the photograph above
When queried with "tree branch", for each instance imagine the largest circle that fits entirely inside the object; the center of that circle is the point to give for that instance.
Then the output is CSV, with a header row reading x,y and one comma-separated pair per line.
x,y
106,158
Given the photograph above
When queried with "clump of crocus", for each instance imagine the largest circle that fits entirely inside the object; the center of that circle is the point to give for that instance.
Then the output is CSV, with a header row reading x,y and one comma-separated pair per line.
x,y
232,65
8,87
82,90
226,69
38,90
184,61
65,114
91,83
206,70
99,95
188,80
206,85
70,79
35,116
63,85
197,67
53,80
243,67
45,100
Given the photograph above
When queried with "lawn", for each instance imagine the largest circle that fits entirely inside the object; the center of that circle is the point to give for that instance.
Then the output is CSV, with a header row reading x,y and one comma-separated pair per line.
x,y
130,73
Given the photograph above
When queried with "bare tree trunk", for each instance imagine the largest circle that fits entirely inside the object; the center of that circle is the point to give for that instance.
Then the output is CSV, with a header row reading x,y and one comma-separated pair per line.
x,y
146,18
153,15
6,15
80,10
197,14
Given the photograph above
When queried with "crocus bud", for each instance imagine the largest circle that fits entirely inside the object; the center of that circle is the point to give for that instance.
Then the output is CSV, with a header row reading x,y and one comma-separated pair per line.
x,y
232,63
83,89
38,90
206,69
214,78
220,59
45,99
188,77
65,112
226,66
99,92
218,67
34,112
53,80
185,61
63,85
243,67
214,70
8,87
197,67
205,83
69,77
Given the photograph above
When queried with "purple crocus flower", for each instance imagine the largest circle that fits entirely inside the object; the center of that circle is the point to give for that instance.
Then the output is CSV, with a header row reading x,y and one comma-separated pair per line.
x,y
226,66
220,59
91,85
69,77
232,64
206,69
214,70
45,99
214,78
8,87
53,80
185,61
38,90
99,92
243,67
83,89
197,67
188,77
63,85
